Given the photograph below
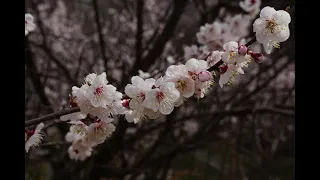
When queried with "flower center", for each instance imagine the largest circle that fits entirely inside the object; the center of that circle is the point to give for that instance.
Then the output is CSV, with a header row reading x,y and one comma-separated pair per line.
x,y
99,91
26,22
253,2
193,75
181,85
271,24
29,133
232,54
140,97
160,96
125,103
73,102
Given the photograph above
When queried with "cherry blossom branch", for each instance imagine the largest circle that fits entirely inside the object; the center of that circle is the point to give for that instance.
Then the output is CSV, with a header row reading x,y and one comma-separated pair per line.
x,y
51,116
216,66
100,36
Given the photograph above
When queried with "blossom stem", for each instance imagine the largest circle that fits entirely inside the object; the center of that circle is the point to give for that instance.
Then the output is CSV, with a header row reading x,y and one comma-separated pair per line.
x,y
251,42
217,65
51,116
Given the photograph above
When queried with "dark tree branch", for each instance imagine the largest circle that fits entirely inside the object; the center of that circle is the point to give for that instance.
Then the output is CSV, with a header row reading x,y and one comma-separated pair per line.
x,y
101,39
51,116
139,33
158,46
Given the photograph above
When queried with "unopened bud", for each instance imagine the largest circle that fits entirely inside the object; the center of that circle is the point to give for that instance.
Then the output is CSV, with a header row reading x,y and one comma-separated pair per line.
x,y
223,68
242,50
257,57
204,76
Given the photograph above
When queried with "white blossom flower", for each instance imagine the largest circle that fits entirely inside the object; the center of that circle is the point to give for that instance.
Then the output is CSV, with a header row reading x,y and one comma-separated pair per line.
x,y
99,93
139,112
195,66
77,129
178,74
90,77
100,130
29,25
202,88
272,27
82,101
231,54
79,150
228,73
162,98
34,137
137,92
138,88
135,115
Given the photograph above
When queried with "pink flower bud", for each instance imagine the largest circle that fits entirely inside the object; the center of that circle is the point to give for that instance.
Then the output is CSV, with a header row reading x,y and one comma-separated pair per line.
x,y
242,50
204,76
257,57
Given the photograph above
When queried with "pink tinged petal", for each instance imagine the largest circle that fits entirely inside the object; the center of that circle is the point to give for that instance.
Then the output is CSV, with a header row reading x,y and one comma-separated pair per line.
x,y
151,100
243,50
268,47
231,46
224,78
205,76
192,64
267,12
136,80
282,17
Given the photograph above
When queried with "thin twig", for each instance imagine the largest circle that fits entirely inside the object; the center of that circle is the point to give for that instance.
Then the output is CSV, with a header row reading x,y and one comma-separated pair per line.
x,y
51,116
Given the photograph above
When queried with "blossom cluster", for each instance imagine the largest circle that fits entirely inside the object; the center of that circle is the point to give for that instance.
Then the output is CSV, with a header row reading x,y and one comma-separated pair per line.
x,y
29,25
99,102
232,28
